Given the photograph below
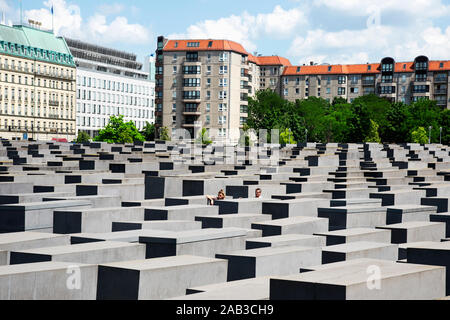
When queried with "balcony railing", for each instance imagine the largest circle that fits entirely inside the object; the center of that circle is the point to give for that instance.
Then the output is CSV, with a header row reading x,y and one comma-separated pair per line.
x,y
368,82
440,91
441,80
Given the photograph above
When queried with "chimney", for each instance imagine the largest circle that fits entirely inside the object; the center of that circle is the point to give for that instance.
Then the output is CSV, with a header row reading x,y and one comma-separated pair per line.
x,y
311,63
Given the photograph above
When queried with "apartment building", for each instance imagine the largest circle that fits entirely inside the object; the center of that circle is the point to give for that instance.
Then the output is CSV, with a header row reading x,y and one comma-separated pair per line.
x,y
110,83
37,85
206,83
397,81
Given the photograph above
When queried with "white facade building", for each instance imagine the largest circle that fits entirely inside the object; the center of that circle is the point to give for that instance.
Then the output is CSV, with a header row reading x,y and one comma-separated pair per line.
x,y
110,83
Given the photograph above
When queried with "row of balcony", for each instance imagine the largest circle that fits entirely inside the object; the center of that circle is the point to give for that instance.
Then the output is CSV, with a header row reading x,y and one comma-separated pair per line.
x,y
37,72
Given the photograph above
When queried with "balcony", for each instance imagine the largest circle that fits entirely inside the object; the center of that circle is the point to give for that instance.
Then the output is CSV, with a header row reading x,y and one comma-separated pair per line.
x,y
368,82
192,112
441,80
53,103
441,103
191,124
440,91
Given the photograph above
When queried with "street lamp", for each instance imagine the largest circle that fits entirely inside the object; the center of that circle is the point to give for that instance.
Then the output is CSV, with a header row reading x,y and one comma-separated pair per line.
x,y
429,140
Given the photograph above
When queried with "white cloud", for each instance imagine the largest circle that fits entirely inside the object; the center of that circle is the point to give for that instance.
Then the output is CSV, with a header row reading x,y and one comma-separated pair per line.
x,y
111,9
68,21
421,8
119,30
246,28
370,45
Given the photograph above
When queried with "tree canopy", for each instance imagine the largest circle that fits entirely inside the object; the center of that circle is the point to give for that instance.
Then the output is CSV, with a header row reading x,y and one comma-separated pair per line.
x,y
367,119
117,131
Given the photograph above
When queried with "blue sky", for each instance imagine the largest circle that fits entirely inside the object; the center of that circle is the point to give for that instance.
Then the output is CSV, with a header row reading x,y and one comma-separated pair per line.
x,y
323,31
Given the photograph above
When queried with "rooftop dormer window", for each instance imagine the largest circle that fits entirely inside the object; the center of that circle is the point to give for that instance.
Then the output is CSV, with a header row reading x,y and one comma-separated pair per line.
x,y
441,65
193,44
210,44
298,69
329,69
369,68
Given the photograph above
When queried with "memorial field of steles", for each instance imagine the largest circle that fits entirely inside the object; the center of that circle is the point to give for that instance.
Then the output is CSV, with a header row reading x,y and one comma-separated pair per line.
x,y
97,221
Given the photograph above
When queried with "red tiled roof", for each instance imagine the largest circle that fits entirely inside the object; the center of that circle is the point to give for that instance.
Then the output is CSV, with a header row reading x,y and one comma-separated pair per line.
x,y
359,68
224,45
205,45
435,65
273,61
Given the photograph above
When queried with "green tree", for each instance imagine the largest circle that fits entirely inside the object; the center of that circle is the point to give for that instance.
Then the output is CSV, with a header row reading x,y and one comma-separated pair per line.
x,y
377,109
149,132
164,134
419,136
117,131
426,113
83,137
445,124
312,112
337,123
204,138
373,135
287,137
398,128
359,124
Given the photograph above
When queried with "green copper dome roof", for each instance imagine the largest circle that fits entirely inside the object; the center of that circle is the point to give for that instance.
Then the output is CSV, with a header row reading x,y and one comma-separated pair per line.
x,y
34,44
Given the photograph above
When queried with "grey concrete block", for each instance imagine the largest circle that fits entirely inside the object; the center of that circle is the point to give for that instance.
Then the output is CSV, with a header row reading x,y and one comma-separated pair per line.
x,y
434,254
297,225
157,279
90,253
34,216
179,212
293,208
48,281
349,281
356,235
240,220
286,240
266,261
169,225
239,206
359,250
97,220
416,231
353,217
203,243
409,213
242,290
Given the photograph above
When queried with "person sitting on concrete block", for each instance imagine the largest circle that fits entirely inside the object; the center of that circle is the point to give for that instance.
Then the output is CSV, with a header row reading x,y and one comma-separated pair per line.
x,y
220,196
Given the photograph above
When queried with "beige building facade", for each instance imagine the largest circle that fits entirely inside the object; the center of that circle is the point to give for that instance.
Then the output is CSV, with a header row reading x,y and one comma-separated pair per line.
x,y
37,85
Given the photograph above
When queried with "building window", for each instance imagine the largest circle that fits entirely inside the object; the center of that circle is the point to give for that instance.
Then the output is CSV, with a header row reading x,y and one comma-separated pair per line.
x,y
341,91
244,109
208,107
223,70
223,107
223,82
222,120
223,56
222,95
286,92
341,80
